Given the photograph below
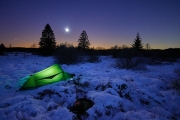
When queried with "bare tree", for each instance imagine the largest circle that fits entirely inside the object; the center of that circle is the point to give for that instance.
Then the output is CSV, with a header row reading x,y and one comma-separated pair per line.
x,y
115,47
124,46
33,45
147,46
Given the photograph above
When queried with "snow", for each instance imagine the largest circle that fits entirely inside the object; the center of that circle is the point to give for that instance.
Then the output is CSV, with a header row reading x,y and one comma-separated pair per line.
x,y
118,94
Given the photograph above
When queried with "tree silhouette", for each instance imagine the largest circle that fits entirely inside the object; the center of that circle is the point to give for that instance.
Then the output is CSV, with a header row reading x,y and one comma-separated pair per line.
x,y
83,42
2,48
47,41
137,42
147,46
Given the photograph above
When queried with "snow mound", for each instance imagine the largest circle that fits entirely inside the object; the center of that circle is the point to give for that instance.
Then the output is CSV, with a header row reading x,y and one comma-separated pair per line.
x,y
117,94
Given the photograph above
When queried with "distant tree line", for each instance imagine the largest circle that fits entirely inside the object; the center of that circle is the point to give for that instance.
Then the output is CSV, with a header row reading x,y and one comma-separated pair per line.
x,y
49,47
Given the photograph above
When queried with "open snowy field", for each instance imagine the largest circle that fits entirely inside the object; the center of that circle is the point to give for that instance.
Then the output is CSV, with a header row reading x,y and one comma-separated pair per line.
x,y
118,94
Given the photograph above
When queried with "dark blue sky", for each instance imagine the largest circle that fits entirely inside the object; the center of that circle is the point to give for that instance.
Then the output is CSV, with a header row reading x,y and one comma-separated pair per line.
x,y
107,22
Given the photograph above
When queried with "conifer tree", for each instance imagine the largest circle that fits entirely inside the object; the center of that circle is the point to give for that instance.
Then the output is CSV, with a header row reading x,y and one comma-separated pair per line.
x,y
2,48
83,42
47,42
137,42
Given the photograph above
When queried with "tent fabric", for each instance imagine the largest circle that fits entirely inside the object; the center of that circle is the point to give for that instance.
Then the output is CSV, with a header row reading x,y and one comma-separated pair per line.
x,y
49,75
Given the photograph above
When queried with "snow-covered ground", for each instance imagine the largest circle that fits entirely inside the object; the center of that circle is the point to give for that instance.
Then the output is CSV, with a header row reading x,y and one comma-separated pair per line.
x,y
118,94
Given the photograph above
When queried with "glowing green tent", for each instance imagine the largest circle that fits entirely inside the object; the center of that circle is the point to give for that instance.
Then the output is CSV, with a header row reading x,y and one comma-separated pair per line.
x,y
49,75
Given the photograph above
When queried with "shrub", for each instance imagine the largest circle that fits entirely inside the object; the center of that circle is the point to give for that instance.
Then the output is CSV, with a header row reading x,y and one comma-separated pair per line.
x,y
67,54
177,72
92,56
130,59
157,57
93,59
176,82
131,63
129,53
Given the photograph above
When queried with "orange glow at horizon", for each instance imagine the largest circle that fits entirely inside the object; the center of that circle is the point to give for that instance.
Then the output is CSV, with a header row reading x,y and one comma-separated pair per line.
x,y
105,46
22,23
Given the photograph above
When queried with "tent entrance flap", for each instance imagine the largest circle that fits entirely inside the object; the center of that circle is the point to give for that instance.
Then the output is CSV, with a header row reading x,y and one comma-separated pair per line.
x,y
30,83
50,77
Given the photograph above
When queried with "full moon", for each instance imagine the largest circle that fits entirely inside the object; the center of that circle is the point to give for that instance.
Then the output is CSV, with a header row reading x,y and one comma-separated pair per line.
x,y
67,29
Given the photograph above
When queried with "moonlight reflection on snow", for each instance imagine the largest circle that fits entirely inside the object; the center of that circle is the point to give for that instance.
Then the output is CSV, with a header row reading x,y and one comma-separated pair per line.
x,y
116,93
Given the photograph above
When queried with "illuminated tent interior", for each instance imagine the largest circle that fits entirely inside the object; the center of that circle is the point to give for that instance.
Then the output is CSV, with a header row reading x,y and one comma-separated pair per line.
x,y
49,75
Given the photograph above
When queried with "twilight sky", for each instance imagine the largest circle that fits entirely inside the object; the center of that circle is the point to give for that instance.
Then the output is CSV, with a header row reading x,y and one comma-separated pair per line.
x,y
107,22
